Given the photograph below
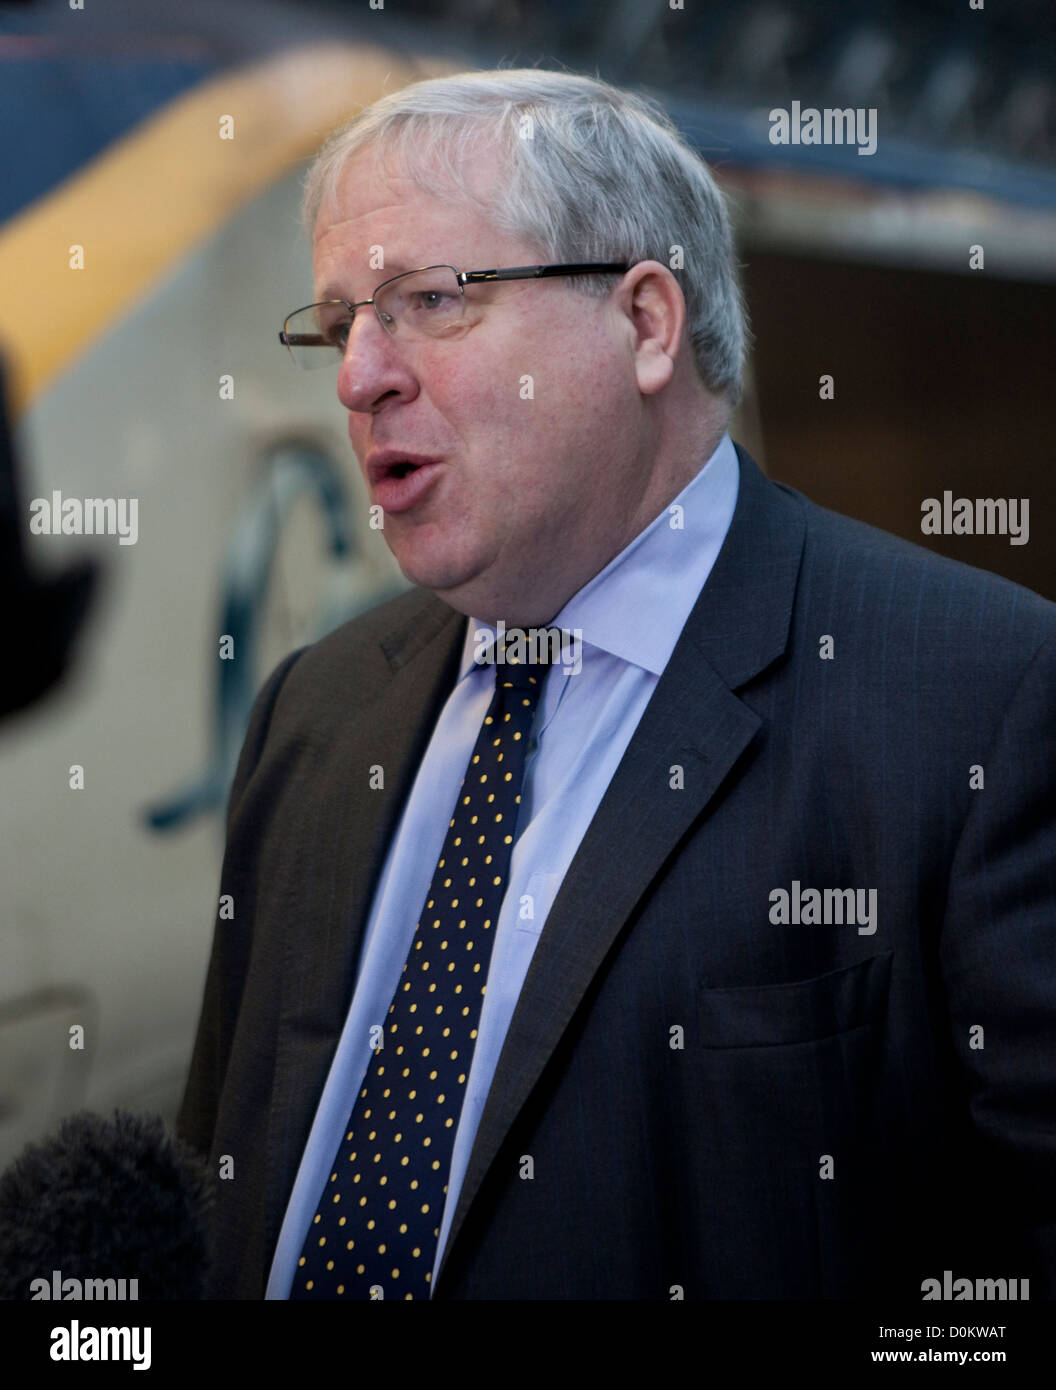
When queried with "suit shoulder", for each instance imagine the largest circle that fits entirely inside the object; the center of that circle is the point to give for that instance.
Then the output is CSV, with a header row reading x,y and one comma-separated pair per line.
x,y
903,584
368,647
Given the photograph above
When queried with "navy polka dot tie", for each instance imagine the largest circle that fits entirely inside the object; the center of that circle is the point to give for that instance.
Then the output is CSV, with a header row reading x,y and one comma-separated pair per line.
x,y
376,1227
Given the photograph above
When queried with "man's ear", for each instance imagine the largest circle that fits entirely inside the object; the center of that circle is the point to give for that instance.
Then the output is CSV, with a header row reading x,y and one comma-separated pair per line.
x,y
655,307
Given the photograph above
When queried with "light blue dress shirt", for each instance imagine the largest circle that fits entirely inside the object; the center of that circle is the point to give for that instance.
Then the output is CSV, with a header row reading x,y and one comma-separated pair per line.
x,y
630,616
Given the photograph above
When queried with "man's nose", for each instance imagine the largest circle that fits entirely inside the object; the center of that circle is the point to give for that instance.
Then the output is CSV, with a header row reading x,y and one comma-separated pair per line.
x,y
372,366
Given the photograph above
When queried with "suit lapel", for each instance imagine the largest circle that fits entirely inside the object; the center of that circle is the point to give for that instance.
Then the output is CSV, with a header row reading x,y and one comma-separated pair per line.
x,y
738,626
412,670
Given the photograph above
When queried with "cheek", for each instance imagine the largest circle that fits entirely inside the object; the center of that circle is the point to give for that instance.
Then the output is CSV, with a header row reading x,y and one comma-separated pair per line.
x,y
479,396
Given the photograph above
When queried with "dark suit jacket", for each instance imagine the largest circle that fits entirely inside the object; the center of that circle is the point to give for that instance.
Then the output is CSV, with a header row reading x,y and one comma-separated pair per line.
x,y
702,1166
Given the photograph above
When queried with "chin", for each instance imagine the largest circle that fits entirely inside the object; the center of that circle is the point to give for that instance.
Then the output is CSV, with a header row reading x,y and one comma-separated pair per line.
x,y
444,578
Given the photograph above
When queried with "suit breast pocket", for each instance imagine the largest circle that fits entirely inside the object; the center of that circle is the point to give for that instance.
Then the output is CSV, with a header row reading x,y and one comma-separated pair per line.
x,y
798,1012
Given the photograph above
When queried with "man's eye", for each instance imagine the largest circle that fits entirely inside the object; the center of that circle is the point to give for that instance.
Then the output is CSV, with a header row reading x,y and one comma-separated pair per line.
x,y
432,301
336,333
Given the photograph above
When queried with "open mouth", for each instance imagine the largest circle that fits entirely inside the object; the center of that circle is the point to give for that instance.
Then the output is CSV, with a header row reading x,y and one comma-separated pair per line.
x,y
391,474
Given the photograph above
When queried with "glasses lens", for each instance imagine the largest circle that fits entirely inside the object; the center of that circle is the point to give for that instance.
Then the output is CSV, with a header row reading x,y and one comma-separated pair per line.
x,y
316,336
422,304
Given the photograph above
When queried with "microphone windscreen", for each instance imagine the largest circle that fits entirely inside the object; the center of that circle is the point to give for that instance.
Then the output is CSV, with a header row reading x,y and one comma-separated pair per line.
x,y
106,1199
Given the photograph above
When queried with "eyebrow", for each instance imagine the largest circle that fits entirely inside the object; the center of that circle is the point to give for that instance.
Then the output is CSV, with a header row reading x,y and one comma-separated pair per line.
x,y
394,268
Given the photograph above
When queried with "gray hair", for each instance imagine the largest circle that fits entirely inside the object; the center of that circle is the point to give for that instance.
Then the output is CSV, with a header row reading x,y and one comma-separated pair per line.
x,y
591,173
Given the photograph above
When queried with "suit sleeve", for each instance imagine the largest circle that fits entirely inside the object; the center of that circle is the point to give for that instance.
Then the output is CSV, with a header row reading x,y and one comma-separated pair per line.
x,y
226,975
998,956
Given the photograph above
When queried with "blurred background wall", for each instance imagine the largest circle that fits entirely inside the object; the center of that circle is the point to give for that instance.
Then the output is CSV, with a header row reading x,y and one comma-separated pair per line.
x,y
154,372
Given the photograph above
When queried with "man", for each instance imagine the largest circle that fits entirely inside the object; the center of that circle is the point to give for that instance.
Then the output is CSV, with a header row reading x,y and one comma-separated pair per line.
x,y
746,989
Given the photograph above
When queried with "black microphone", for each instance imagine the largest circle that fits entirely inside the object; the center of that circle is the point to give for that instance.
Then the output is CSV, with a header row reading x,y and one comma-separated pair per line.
x,y
105,1201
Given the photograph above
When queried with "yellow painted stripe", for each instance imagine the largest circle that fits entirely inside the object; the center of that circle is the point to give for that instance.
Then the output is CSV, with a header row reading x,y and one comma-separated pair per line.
x,y
164,187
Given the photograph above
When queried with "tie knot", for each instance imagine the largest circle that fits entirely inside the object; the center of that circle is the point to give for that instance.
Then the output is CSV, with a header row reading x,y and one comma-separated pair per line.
x,y
522,657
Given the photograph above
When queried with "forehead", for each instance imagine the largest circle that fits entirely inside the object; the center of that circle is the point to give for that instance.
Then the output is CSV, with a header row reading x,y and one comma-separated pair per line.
x,y
378,201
